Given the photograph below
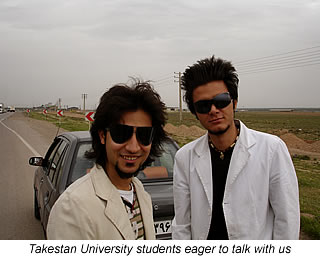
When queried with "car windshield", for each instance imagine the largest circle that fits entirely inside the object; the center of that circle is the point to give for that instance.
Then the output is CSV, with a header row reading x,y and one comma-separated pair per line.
x,y
82,164
161,168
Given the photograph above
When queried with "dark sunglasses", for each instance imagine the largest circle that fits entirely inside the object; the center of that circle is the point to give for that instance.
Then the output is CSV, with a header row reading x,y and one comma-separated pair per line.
x,y
219,101
122,133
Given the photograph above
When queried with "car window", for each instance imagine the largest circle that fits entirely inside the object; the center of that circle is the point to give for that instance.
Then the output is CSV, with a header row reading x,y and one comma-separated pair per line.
x,y
81,164
63,147
50,155
56,157
162,167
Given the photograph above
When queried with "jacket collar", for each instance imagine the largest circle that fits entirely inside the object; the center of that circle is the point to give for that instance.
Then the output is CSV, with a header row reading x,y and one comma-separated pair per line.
x,y
115,211
245,140
203,160
240,155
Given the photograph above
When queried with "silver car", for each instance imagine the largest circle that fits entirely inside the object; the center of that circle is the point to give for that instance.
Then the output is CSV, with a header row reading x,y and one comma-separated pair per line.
x,y
65,162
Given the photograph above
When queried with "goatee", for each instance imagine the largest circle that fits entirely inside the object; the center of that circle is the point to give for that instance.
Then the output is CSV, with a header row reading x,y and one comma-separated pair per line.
x,y
126,175
219,132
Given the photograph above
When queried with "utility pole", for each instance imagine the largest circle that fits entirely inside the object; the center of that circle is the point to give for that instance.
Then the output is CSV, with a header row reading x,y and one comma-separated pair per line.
x,y
180,95
84,97
59,103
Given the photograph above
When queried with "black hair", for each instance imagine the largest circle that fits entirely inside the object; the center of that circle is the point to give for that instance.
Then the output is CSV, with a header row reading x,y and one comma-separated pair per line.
x,y
205,71
123,98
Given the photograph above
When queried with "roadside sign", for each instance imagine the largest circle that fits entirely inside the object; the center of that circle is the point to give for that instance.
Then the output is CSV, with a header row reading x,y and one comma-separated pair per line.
x,y
28,110
60,113
89,116
45,112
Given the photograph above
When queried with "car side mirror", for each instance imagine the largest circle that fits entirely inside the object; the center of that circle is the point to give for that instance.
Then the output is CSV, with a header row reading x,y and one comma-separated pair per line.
x,y
36,161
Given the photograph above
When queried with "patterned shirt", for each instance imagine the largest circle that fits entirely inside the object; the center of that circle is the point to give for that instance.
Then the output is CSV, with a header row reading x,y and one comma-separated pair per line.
x,y
135,216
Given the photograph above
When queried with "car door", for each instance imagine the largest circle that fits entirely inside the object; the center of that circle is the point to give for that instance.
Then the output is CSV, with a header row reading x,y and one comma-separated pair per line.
x,y
54,176
48,182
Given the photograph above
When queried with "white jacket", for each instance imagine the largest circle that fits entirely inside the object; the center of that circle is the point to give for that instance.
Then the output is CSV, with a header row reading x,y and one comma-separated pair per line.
x,y
91,208
261,199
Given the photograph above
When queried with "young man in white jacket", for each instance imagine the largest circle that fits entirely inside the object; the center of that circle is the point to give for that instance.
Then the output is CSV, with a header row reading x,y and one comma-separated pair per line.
x,y
233,182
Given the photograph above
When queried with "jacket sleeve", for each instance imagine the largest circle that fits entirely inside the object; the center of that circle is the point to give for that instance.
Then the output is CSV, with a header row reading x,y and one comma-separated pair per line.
x,y
181,226
284,194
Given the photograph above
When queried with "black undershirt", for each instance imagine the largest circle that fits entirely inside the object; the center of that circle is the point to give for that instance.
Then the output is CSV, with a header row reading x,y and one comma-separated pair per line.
x,y
218,229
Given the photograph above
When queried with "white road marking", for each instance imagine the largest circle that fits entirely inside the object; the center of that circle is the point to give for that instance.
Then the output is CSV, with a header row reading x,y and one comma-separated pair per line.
x,y
20,137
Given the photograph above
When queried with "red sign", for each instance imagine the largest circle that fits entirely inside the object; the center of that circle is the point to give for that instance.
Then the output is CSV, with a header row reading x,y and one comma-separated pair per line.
x,y
28,110
60,113
45,111
89,116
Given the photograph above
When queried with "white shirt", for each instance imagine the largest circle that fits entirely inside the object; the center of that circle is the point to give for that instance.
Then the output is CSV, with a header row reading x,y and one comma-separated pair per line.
x,y
127,195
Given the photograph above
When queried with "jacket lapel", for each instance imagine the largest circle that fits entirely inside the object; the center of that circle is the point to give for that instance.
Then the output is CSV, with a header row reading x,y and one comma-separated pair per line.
x,y
239,159
203,168
115,210
240,155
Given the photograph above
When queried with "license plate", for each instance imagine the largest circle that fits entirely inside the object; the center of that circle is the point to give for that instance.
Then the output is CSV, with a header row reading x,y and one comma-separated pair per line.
x,y
163,227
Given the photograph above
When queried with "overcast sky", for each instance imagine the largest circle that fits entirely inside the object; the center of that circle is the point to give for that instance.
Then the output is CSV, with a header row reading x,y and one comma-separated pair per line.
x,y
51,49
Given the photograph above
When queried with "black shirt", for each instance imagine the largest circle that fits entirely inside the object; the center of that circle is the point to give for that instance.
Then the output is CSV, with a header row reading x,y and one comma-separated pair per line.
x,y
218,229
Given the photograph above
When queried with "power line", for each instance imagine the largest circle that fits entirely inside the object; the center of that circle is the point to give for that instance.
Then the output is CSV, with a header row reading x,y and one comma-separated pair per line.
x,y
281,64
277,69
276,55
159,80
163,86
281,61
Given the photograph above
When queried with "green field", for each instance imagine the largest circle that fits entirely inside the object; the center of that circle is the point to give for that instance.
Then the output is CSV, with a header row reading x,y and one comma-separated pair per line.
x,y
308,172
67,123
303,125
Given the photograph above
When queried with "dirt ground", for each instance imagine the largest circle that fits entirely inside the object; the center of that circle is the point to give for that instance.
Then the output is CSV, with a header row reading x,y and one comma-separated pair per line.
x,y
294,143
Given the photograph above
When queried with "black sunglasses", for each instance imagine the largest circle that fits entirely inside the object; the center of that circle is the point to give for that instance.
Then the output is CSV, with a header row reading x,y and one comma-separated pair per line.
x,y
219,101
122,133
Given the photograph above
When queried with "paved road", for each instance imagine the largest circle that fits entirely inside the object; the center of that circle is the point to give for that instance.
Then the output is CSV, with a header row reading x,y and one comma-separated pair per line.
x,y
20,138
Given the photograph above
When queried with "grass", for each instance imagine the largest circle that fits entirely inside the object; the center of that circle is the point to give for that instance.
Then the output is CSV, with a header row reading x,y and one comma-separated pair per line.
x,y
67,123
308,172
304,125
188,119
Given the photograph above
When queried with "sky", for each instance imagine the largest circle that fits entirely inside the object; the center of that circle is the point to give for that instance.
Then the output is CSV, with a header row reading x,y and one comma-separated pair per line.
x,y
61,49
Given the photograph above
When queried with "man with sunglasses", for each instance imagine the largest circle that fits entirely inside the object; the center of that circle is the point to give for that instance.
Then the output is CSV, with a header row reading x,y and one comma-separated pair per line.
x,y
110,202
233,182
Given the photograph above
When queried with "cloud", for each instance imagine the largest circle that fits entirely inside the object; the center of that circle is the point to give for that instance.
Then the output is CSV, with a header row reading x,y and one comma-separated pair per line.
x,y
77,46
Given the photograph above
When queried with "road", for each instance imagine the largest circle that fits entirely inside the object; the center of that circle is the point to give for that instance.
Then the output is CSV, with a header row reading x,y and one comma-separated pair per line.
x,y
20,138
